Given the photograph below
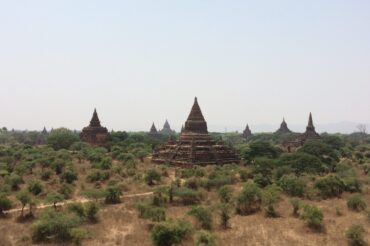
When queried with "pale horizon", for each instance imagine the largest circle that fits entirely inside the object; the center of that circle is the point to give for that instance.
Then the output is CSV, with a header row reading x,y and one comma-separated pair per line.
x,y
139,63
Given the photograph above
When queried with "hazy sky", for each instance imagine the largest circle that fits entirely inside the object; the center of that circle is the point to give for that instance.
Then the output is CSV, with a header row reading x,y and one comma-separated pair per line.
x,y
144,61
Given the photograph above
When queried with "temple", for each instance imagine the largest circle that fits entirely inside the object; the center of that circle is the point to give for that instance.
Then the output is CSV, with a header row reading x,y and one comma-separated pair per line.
x,y
247,133
167,129
309,134
153,132
283,128
195,146
94,134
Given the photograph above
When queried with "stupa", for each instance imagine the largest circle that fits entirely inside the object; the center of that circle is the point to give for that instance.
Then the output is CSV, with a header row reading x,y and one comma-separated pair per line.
x,y
153,132
283,128
94,134
166,130
195,146
247,133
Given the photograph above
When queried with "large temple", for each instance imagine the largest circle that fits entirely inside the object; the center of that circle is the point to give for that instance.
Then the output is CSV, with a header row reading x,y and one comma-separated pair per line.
x,y
309,134
283,128
94,134
247,133
195,146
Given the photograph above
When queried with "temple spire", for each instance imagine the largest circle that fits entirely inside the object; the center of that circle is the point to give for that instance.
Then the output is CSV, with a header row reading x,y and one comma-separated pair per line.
x,y
95,122
310,121
196,122
153,129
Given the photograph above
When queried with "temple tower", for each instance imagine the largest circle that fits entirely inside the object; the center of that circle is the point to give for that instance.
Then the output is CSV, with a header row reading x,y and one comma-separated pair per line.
x,y
195,146
94,134
167,129
247,133
310,132
283,128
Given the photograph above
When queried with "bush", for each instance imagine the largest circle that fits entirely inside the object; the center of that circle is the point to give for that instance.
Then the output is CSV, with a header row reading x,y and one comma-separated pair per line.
x,y
91,209
14,181
205,238
225,193
170,232
301,162
355,235
69,176
98,176
313,216
356,203
224,215
55,225
270,196
106,163
61,138
187,196
203,215
330,186
112,194
153,213
292,185
152,176
249,200
54,197
77,208
34,186
295,202
5,203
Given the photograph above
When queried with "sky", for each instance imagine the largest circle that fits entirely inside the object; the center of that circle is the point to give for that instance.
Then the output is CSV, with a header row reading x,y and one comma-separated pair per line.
x,y
144,61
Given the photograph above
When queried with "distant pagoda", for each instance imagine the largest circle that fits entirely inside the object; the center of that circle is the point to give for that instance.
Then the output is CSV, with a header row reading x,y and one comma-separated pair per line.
x,y
283,128
310,132
44,131
166,130
195,146
299,141
153,132
94,134
247,133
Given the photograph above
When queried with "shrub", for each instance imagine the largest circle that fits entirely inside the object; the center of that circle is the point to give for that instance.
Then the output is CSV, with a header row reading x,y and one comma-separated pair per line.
x,y
187,196
356,203
225,193
61,138
330,186
292,185
301,162
205,238
106,163
262,180
203,215
170,232
313,216
5,203
98,176
295,202
270,196
78,234
54,198
14,181
34,186
77,208
46,174
91,209
152,176
192,183
66,190
69,176
153,213
224,215
112,194
55,225
95,194
355,235
249,200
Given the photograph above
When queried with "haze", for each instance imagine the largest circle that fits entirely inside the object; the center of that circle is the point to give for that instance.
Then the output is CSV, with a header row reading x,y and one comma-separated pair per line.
x,y
143,61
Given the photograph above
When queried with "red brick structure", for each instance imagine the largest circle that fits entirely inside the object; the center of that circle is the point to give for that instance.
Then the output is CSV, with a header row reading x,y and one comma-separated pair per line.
x,y
247,133
153,132
195,146
283,128
166,130
94,134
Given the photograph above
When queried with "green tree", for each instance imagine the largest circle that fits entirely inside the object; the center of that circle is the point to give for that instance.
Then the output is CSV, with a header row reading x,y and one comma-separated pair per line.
x,y
95,194
225,193
355,235
169,233
203,215
5,203
313,216
53,198
270,196
249,200
224,210
356,203
205,238
61,138
152,176
91,210
34,186
24,197
112,194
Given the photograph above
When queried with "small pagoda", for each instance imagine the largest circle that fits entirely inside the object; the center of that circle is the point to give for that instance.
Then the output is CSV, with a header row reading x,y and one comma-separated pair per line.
x,y
247,133
166,130
283,128
153,132
309,134
195,146
94,134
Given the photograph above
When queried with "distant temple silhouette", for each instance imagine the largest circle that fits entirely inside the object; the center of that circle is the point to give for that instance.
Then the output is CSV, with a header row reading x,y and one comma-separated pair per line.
x,y
94,134
166,130
247,133
195,146
283,128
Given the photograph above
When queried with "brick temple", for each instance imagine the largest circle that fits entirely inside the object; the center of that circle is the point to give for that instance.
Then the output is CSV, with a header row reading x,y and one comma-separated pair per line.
x,y
195,146
309,134
247,133
166,130
283,128
153,132
94,134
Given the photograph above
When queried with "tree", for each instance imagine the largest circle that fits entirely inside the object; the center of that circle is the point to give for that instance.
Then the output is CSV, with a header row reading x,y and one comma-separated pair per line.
x,y
5,203
330,186
95,194
249,200
61,138
261,149
151,176
112,194
203,215
292,185
34,186
53,198
225,193
91,209
24,197
270,196
169,233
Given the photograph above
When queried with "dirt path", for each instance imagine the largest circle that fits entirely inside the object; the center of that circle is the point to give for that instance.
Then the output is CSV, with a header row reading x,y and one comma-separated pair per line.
x,y
81,200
